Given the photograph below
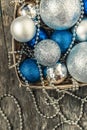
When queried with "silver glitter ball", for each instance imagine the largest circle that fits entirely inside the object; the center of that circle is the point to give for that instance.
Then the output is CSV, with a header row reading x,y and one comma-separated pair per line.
x,y
77,62
47,52
23,29
60,14
28,8
57,74
81,31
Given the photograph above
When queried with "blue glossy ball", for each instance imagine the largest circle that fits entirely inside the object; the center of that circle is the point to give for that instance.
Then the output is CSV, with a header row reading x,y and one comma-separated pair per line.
x,y
29,69
63,39
42,36
85,6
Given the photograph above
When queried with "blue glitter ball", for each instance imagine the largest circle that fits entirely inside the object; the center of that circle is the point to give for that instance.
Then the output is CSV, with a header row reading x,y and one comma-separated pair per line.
x,y
29,69
63,39
42,36
85,6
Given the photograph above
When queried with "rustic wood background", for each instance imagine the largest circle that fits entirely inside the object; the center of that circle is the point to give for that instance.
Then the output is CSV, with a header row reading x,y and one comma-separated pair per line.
x,y
9,84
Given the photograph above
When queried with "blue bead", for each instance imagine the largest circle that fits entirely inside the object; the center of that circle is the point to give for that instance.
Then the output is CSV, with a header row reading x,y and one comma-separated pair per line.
x,y
42,36
29,69
85,6
63,39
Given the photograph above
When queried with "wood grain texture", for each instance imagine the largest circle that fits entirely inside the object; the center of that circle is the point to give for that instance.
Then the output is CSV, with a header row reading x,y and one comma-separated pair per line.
x,y
9,84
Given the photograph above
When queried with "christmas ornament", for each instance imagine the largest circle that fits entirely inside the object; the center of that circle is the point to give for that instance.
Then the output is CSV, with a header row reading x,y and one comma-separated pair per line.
x,y
42,36
29,69
23,29
57,74
81,31
47,52
63,39
85,6
77,62
27,9
60,14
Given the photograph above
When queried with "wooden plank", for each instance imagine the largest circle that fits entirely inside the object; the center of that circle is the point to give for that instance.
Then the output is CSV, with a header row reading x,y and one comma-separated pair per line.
x,y
3,55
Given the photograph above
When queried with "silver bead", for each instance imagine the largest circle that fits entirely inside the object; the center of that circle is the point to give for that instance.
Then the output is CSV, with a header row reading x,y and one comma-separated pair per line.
x,y
57,73
23,29
47,52
82,31
77,62
28,8
60,15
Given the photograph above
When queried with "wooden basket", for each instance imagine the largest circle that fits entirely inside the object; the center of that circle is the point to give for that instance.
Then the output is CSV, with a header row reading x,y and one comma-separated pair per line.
x,y
67,84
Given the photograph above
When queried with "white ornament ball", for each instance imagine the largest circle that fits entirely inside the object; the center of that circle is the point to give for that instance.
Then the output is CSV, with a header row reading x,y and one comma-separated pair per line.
x,y
23,29
47,52
77,62
81,31
60,14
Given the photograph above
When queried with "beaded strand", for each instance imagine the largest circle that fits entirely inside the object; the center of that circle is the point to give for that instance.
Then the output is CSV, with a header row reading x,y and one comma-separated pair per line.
x,y
42,80
18,108
52,101
5,118
74,32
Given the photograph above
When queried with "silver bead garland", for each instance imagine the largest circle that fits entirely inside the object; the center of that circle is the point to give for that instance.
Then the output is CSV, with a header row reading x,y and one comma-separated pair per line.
x,y
53,101
44,91
74,32
5,118
18,108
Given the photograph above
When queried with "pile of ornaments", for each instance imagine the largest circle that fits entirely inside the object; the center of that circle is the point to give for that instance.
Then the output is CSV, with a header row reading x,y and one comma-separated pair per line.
x,y
53,29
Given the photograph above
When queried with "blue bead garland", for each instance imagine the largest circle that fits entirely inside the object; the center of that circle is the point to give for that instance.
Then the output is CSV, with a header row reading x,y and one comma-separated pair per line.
x,y
63,38
42,36
29,69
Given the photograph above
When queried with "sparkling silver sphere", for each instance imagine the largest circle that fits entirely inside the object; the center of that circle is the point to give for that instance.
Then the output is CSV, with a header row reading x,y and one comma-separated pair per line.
x,y
77,62
57,74
60,14
47,52
81,31
28,8
23,29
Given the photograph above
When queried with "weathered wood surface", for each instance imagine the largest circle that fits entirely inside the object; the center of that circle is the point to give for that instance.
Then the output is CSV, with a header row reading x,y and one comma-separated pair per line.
x,y
9,84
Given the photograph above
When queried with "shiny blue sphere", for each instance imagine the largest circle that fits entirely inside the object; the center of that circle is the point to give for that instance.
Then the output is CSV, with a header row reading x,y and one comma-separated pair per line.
x,y
29,69
63,39
85,6
42,36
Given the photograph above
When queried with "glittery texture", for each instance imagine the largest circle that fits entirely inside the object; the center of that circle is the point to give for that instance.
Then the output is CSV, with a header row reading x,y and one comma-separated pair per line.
x,y
23,29
82,30
63,39
60,14
47,52
57,74
77,62
29,69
